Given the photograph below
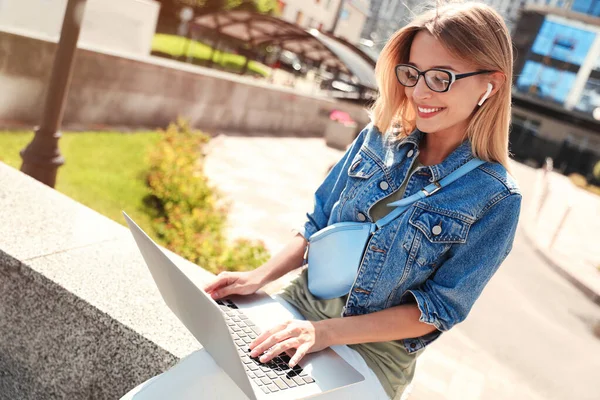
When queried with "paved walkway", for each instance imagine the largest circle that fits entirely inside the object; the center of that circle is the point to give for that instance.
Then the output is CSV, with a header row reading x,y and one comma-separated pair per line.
x,y
270,182
562,222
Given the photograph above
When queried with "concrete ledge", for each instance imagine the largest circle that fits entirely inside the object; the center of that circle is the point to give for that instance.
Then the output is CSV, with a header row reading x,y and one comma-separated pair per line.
x,y
80,316
56,345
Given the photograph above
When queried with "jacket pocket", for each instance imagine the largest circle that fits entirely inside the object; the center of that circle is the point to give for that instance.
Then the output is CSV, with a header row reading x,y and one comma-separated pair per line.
x,y
362,166
437,230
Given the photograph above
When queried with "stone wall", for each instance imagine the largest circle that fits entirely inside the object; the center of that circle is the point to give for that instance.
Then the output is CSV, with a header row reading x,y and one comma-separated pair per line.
x,y
113,89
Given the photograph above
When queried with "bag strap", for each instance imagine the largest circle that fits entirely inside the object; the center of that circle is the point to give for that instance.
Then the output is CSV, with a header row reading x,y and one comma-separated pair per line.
x,y
404,204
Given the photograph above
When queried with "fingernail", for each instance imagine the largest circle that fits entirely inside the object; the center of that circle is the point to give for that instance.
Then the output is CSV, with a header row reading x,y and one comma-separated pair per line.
x,y
292,364
263,358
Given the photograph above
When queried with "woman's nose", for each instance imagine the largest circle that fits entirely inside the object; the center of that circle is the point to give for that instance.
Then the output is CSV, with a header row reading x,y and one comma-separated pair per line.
x,y
421,90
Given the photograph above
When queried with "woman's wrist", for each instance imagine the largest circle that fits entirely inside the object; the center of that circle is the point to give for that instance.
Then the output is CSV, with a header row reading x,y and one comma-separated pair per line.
x,y
325,329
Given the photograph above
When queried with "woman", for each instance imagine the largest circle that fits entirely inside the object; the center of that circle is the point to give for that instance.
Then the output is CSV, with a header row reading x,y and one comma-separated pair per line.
x,y
445,93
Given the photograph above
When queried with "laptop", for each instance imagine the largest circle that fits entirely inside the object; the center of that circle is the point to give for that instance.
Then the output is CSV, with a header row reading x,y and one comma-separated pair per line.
x,y
226,327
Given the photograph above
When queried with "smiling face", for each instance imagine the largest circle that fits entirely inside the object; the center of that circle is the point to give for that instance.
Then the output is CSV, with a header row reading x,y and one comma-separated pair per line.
x,y
448,113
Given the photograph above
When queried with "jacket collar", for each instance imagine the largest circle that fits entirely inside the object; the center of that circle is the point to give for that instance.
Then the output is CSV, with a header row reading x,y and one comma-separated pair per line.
x,y
461,155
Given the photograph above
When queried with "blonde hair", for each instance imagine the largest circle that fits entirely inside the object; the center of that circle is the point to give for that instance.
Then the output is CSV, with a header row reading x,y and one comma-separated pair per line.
x,y
469,31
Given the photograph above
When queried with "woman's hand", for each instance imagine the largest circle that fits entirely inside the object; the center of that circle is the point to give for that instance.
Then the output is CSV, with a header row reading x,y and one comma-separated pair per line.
x,y
229,283
303,336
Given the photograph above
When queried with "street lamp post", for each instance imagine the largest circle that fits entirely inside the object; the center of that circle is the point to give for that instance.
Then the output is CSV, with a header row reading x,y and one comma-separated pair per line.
x,y
41,158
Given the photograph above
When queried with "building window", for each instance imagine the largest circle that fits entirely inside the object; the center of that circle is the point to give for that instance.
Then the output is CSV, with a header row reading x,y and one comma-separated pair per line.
x,y
562,42
591,7
545,82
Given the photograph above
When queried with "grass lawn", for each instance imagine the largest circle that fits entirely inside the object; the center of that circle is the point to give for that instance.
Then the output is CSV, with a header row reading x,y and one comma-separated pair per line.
x,y
103,170
177,46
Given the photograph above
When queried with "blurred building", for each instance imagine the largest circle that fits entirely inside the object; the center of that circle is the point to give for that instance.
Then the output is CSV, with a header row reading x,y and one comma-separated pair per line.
x,y
321,15
509,9
386,17
556,92
111,25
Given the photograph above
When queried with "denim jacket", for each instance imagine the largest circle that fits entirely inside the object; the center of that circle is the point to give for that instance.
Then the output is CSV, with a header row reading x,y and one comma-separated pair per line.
x,y
442,251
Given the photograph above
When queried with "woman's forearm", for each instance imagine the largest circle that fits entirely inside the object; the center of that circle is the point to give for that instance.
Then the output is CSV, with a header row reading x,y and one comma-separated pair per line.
x,y
395,323
288,259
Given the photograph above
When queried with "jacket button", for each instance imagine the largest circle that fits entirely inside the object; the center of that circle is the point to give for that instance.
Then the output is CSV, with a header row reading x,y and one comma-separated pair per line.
x,y
413,345
361,217
410,153
436,230
384,185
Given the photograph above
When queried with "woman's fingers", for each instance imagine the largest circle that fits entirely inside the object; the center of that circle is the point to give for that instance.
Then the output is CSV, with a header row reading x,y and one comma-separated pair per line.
x,y
269,339
223,279
281,347
226,291
300,352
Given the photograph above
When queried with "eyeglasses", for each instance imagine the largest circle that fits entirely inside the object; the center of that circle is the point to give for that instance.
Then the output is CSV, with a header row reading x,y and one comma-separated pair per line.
x,y
438,80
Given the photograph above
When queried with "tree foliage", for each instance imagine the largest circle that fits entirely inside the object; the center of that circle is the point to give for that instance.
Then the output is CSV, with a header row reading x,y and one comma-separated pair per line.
x,y
209,6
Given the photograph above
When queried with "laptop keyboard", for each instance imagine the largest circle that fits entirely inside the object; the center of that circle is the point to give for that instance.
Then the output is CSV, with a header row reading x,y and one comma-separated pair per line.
x,y
274,376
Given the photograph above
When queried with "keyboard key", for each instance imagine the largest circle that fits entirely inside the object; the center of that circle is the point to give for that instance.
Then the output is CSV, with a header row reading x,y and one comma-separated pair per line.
x,y
308,379
251,374
247,340
237,329
266,389
273,388
289,381
280,384
247,330
265,380
285,358
264,368
239,342
252,336
256,330
299,381
259,373
243,316
271,374
252,367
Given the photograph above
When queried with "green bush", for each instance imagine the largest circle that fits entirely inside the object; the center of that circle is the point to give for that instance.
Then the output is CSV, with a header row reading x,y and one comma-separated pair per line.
x,y
189,215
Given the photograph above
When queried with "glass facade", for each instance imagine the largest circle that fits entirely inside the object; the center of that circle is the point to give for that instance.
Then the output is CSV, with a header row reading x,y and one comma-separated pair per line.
x,y
563,42
545,82
552,64
591,7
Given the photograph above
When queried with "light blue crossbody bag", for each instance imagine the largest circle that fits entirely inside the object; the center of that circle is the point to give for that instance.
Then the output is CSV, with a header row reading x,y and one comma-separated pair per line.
x,y
335,253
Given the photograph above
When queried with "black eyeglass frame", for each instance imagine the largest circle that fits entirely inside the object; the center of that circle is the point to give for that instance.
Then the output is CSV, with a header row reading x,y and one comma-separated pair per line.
x,y
451,75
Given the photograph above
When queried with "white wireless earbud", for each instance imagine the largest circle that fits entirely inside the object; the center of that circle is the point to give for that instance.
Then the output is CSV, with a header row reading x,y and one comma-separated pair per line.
x,y
487,93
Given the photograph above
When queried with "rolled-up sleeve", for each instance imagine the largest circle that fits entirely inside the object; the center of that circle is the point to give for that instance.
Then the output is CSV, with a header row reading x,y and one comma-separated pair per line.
x,y
329,191
447,297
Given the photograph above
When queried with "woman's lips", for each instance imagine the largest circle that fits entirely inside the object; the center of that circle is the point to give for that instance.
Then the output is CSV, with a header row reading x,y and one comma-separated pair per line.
x,y
428,112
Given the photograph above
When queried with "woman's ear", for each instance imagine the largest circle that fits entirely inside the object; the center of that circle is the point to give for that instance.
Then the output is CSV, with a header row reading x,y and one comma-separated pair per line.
x,y
497,79
494,83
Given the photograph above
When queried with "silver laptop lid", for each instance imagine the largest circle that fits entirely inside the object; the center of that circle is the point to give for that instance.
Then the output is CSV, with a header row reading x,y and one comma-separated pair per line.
x,y
198,312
